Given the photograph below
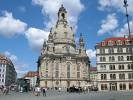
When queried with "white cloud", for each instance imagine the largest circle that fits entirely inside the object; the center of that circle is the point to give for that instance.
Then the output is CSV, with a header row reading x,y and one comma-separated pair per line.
x,y
36,37
10,26
50,8
108,25
91,53
124,30
117,4
13,57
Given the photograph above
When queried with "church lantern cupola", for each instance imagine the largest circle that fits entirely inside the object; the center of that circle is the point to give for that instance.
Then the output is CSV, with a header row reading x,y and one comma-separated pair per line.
x,y
62,15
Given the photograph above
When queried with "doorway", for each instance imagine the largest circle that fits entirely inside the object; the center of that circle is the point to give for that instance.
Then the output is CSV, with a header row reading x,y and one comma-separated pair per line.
x,y
113,86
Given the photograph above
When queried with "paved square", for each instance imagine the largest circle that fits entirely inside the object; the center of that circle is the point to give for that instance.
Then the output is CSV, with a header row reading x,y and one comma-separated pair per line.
x,y
52,95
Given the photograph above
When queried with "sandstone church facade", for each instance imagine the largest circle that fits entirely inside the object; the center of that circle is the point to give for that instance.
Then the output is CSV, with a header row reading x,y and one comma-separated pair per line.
x,y
62,63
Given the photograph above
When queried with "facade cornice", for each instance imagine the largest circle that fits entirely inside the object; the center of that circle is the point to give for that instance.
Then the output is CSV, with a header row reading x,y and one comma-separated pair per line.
x,y
115,71
122,62
113,46
110,54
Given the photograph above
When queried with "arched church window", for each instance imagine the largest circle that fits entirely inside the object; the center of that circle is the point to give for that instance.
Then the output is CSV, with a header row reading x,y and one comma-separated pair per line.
x,y
78,67
63,15
57,66
78,70
68,70
57,70
46,65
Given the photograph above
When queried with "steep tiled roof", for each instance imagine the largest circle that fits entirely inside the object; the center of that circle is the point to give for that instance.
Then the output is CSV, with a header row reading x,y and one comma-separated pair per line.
x,y
114,41
93,69
31,74
5,60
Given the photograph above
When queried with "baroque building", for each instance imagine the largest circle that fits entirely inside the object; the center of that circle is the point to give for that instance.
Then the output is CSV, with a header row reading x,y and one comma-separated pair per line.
x,y
7,71
61,63
115,64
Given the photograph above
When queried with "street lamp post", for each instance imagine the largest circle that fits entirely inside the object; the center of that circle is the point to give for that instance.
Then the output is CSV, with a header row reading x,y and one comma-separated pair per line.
x,y
126,5
129,31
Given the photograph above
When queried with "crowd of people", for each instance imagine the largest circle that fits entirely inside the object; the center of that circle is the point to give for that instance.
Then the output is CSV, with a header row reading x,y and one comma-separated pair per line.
x,y
37,91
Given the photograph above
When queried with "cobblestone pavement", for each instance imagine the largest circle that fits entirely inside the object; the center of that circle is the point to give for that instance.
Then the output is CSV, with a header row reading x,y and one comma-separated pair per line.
x,y
52,95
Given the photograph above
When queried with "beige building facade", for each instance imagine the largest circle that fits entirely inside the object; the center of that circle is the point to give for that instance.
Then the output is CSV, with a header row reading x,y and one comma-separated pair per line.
x,y
32,76
8,73
62,63
115,64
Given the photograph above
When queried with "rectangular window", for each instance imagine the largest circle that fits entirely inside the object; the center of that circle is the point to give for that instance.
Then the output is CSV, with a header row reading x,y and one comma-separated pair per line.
x,y
130,75
104,87
130,86
102,51
122,86
120,58
57,74
78,74
121,76
128,50
103,77
112,76
111,50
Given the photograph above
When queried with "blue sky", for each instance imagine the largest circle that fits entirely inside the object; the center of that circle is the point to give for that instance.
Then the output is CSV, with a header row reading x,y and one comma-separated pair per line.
x,y
25,24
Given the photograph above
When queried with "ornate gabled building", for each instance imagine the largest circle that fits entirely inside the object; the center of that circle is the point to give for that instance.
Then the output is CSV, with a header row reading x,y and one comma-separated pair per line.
x,y
115,64
8,73
61,64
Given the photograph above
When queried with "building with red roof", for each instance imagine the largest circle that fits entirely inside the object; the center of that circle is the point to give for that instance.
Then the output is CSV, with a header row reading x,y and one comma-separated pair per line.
x,y
7,71
115,64
32,76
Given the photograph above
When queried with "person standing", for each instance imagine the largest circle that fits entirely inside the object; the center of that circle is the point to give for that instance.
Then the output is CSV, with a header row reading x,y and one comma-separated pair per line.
x,y
44,91
38,91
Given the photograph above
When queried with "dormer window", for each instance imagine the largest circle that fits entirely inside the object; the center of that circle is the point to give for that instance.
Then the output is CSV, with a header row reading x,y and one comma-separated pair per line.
x,y
127,42
110,43
103,43
119,42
